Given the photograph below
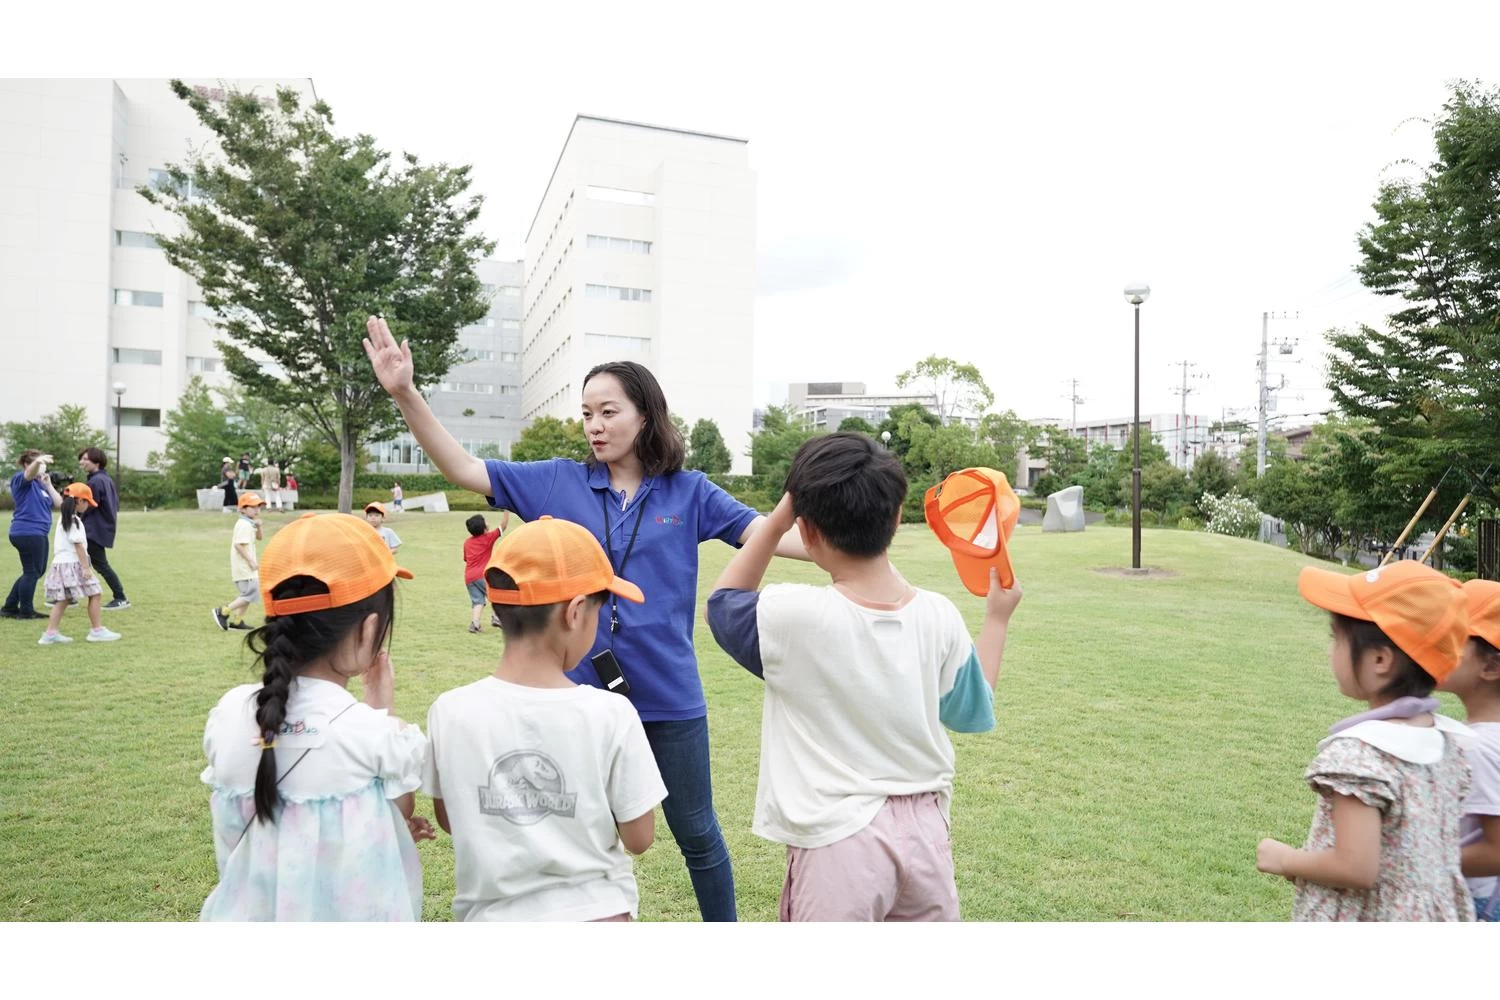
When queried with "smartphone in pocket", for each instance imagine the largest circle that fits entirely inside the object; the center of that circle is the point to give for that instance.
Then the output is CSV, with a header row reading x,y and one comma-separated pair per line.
x,y
608,669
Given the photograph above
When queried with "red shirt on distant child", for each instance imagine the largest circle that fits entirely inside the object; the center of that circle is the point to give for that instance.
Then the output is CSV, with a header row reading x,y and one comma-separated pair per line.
x,y
477,554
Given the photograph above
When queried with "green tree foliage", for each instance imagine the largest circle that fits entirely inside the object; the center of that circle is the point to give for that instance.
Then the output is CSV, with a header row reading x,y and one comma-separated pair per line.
x,y
1211,474
62,434
549,437
858,425
958,388
210,423
1009,436
772,447
899,426
296,235
708,453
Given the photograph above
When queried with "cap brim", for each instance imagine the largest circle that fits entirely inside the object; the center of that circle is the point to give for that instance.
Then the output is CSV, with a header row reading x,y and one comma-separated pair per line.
x,y
627,590
1330,591
974,572
404,574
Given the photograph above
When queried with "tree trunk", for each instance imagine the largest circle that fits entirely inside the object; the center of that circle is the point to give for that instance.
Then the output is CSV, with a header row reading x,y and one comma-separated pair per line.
x,y
348,450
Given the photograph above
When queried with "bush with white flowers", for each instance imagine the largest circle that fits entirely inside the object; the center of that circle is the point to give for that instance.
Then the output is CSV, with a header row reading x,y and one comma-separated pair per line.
x,y
1231,514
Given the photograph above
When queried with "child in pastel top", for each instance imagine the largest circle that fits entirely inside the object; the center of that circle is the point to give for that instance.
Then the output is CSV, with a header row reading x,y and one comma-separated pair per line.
x,y
1477,684
375,514
313,791
71,577
1384,843
397,496
544,784
477,548
862,678
244,566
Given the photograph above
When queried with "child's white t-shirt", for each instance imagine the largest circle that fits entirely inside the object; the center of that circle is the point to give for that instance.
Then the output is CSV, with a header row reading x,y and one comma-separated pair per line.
x,y
1483,753
392,540
857,701
533,781
244,534
63,539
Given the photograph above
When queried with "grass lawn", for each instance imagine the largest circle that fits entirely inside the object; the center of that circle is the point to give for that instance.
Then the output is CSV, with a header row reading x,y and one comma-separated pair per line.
x,y
1151,731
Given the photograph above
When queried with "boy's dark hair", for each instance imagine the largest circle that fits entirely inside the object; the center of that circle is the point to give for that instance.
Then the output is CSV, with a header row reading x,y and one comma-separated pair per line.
x,y
475,525
27,457
287,643
659,444
95,455
1410,680
850,489
518,620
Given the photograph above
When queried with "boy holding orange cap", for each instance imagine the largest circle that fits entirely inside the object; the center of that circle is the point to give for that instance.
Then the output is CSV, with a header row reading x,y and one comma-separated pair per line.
x,y
1384,843
1477,684
544,784
862,678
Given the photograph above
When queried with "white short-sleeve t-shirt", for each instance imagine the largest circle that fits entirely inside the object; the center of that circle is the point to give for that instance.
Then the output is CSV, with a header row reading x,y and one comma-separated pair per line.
x,y
244,534
63,539
1483,753
534,781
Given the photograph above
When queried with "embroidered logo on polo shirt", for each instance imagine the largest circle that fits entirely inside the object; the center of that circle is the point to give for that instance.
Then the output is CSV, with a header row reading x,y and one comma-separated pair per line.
x,y
671,519
526,787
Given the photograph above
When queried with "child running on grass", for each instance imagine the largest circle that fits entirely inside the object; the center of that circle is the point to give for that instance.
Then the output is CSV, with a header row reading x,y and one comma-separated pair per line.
x,y
477,548
313,791
244,566
375,515
1391,781
71,578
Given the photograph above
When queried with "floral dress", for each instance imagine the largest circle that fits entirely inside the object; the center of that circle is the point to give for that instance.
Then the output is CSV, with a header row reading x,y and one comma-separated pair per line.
x,y
1417,777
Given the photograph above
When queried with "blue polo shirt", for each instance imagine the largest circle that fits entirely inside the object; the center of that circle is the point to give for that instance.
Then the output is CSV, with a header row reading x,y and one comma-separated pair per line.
x,y
33,514
654,644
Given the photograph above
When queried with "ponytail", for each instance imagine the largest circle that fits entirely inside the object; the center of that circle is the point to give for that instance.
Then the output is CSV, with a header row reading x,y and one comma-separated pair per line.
x,y
284,645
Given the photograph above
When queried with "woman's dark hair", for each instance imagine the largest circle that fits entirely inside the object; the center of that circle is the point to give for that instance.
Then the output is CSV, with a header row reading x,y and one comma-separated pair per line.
x,y
27,457
475,525
659,444
1410,680
518,620
1487,652
96,456
69,512
850,489
287,643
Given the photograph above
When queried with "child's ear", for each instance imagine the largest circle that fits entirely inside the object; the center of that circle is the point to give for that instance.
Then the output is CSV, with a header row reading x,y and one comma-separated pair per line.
x,y
1489,669
808,533
1382,660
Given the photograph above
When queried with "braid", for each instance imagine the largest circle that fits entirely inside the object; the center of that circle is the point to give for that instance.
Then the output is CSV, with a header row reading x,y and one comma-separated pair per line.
x,y
279,654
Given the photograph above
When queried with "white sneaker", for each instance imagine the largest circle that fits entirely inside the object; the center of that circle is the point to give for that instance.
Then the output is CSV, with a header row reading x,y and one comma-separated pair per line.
x,y
52,639
102,635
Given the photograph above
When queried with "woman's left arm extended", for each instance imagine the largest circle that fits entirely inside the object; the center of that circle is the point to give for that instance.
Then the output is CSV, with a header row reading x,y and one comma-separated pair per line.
x,y
789,546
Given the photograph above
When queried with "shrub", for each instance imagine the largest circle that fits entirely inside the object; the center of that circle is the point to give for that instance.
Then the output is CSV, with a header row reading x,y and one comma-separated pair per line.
x,y
1231,514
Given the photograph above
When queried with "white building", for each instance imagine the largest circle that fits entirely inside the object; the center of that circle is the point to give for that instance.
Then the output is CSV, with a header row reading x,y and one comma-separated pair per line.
x,y
643,249
88,299
824,405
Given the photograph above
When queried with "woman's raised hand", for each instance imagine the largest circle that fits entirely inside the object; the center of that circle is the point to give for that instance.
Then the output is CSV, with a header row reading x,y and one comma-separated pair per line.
x,y
391,361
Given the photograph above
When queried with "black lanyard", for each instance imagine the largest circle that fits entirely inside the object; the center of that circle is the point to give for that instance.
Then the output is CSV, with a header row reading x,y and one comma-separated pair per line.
x,y
614,606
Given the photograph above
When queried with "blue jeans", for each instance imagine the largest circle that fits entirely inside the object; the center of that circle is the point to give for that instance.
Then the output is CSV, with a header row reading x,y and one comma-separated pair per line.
x,y
33,550
1487,909
681,751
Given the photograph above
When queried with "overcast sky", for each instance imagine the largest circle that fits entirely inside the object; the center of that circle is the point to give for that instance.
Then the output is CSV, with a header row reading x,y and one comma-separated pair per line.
x,y
930,178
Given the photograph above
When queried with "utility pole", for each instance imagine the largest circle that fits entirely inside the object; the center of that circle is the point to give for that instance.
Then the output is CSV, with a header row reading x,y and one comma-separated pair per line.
x,y
1182,441
1265,391
1074,399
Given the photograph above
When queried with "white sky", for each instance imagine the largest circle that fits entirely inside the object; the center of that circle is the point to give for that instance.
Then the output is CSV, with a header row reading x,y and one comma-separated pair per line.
x,y
931,178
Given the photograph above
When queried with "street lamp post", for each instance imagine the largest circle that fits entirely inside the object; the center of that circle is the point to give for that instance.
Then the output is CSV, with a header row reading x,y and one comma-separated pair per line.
x,y
1136,293
119,388
885,439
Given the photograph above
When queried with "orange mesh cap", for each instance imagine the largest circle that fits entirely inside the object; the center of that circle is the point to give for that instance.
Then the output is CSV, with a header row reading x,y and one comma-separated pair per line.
x,y
81,492
251,500
973,512
1420,609
554,561
1482,601
375,506
341,550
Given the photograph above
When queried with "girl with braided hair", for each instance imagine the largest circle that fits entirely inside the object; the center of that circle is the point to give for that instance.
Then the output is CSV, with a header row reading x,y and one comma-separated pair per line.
x,y
312,790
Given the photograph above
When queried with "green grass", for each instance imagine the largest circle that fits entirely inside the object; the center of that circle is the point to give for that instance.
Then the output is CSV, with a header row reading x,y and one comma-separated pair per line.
x,y
1151,731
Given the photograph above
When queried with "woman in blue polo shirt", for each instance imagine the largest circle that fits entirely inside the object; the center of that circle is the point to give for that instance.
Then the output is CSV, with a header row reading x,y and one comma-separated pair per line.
x,y
650,515
29,527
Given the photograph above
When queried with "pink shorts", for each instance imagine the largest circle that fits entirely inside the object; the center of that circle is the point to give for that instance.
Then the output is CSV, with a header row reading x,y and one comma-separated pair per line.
x,y
900,867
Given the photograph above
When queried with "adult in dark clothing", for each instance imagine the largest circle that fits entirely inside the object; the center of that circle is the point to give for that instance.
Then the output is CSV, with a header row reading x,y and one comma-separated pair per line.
x,y
226,480
100,525
30,526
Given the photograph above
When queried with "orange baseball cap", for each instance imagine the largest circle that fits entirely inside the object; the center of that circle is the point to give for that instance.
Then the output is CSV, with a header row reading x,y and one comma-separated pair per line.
x,y
251,500
1482,601
1420,609
80,491
341,550
375,506
554,561
973,512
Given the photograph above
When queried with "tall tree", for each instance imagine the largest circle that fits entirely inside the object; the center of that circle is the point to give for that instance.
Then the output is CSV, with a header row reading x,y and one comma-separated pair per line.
x,y
296,235
857,425
61,434
1427,381
211,422
1009,436
549,437
709,452
899,425
772,447
958,388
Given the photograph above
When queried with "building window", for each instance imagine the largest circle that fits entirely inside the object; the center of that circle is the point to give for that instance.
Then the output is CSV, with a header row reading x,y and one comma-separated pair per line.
x,y
620,196
487,321
511,291
620,294
132,417
487,289
618,244
131,297
510,357
509,390
474,354
132,356
205,364
613,342
126,238
481,388
510,324
161,180
201,309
